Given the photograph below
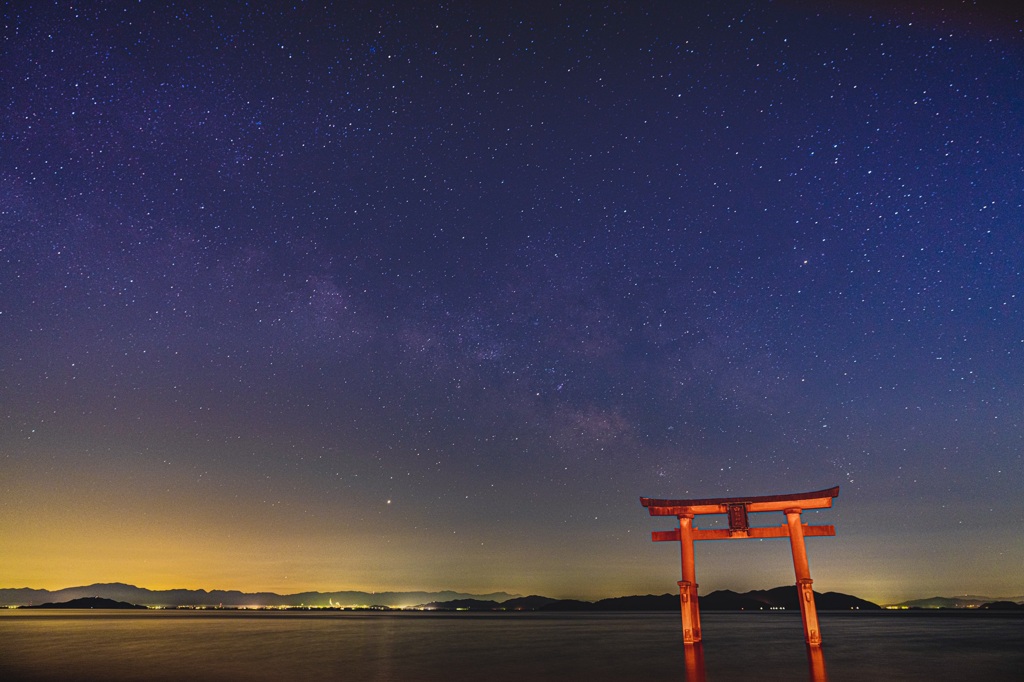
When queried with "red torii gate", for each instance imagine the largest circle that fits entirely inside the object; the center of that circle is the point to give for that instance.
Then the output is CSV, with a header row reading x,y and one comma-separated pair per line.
x,y
737,509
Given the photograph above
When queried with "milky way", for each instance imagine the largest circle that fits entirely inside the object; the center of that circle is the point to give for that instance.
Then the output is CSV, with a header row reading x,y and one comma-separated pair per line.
x,y
414,297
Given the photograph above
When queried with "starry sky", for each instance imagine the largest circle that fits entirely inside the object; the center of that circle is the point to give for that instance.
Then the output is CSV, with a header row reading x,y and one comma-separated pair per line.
x,y
425,296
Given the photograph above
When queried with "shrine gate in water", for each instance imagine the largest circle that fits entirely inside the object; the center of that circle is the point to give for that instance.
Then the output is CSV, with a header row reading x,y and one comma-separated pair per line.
x,y
737,509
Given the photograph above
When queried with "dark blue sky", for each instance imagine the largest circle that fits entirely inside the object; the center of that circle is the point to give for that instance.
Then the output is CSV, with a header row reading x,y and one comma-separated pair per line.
x,y
413,296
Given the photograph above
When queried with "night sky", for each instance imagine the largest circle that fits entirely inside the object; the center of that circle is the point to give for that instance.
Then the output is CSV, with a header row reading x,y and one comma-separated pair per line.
x,y
392,297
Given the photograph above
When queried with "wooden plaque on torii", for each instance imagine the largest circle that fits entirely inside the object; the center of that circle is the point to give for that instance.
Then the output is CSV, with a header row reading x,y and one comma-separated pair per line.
x,y
737,509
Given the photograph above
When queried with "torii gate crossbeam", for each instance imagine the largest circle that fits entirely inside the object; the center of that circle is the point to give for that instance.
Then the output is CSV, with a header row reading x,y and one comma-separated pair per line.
x,y
737,509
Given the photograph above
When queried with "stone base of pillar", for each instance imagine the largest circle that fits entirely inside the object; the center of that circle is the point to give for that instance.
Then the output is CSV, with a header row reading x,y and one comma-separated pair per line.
x,y
809,612
690,611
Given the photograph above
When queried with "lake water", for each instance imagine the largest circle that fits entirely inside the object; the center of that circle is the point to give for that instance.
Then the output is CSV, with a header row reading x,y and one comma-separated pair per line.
x,y
268,645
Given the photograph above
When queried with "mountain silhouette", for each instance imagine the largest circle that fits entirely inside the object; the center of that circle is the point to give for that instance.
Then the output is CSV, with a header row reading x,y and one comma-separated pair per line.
x,y
86,603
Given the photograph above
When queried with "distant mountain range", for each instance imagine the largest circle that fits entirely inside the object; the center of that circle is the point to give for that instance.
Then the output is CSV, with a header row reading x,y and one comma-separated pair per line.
x,y
970,601
233,598
780,597
87,603
721,600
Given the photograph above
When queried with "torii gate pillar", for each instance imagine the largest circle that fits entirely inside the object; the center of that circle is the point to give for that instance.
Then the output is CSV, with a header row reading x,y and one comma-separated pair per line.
x,y
805,593
688,585
737,508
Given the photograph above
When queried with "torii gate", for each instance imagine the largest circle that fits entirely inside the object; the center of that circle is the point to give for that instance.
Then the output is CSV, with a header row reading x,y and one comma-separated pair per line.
x,y
737,508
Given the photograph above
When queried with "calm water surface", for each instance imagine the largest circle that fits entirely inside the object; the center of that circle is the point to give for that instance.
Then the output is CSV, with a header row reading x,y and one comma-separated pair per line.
x,y
267,645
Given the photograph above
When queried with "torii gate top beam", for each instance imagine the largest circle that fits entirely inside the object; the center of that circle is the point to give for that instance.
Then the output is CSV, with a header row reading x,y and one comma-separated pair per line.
x,y
819,499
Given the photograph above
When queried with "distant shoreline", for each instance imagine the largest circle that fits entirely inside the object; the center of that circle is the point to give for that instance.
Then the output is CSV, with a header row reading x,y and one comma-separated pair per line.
x,y
778,598
314,612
